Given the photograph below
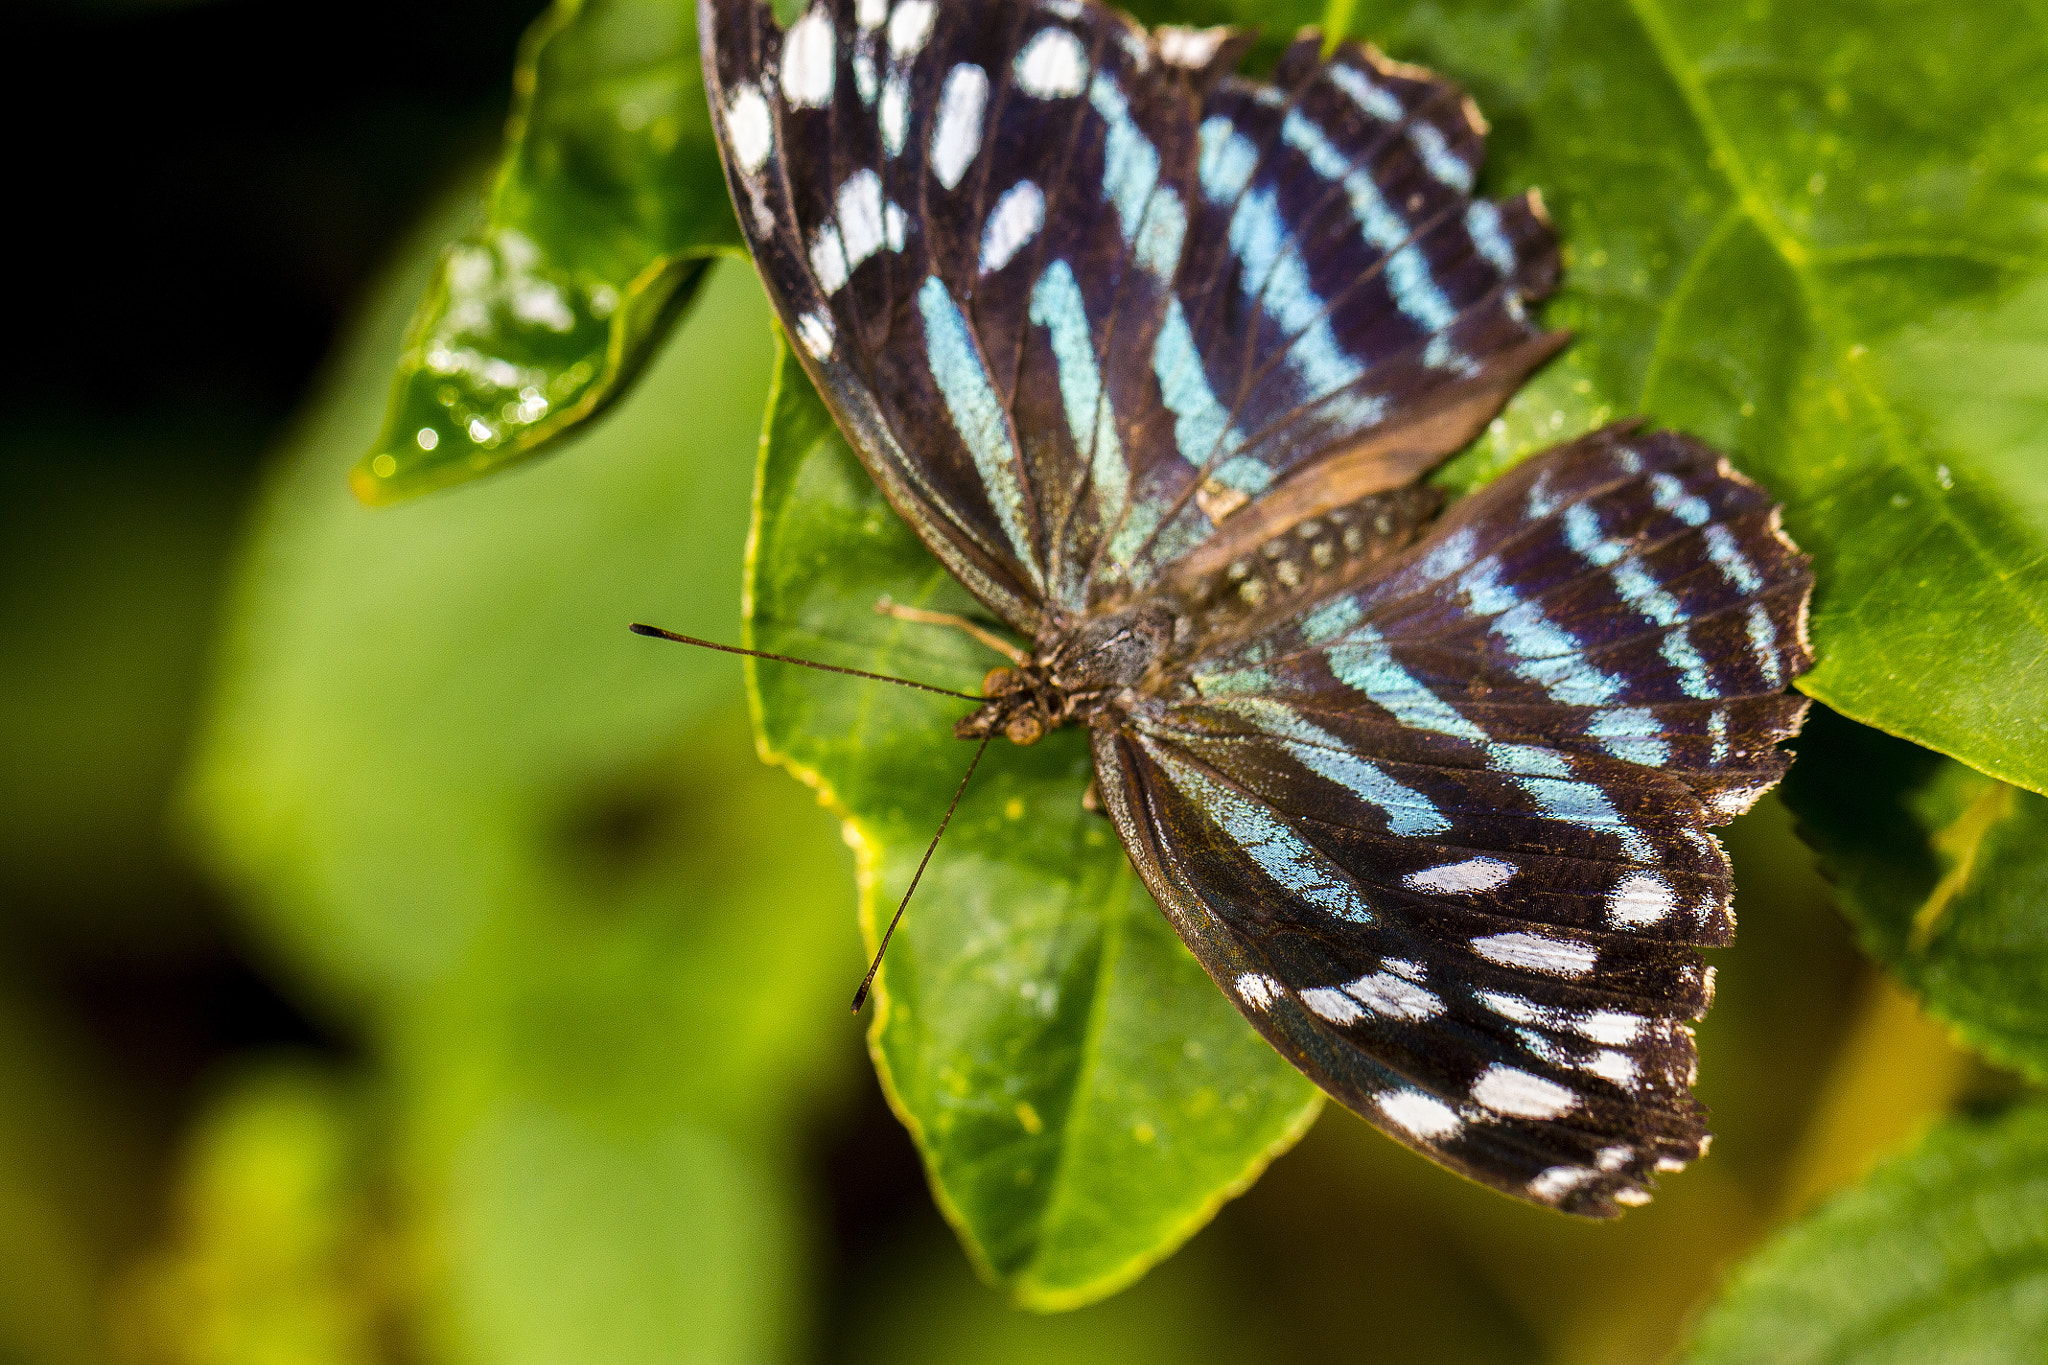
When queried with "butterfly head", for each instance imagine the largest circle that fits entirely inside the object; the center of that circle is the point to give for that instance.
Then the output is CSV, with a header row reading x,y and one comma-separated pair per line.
x,y
1078,676
1021,707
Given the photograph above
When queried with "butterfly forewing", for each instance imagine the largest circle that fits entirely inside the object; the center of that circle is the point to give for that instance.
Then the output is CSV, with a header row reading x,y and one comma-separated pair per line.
x,y
1020,230
1118,330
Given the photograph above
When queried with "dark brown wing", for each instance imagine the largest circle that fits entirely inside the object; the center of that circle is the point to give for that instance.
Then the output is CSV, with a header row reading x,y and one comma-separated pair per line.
x,y
1079,297
1442,835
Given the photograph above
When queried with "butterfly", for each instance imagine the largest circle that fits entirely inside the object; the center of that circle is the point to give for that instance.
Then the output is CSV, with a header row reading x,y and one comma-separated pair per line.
x,y
1152,356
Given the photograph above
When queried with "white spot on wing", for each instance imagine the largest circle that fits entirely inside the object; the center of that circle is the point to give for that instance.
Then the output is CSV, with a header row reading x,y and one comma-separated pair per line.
x,y
1472,875
956,133
809,59
815,331
1613,1027
1258,989
1613,1158
1560,1181
1507,1090
749,129
828,259
1193,48
1387,994
870,14
1052,65
1014,221
1735,800
1518,1009
909,28
895,114
1332,1004
860,216
1618,1067
1556,956
1639,901
1631,1196
1419,1115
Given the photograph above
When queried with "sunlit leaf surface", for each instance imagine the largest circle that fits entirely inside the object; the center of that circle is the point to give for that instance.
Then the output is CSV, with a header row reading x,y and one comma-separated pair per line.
x,y
596,235
1083,1096
1813,235
1944,872
1940,1256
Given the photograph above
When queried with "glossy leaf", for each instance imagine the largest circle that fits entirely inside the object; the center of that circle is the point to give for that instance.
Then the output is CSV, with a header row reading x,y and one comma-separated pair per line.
x,y
1083,1096
1944,873
1941,1255
607,208
1811,234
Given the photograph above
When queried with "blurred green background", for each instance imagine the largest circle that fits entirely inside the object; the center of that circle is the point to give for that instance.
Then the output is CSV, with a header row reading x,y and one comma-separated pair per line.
x,y
403,963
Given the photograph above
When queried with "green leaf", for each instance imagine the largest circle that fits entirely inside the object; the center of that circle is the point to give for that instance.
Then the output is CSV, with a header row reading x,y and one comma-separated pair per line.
x,y
1941,1255
1944,873
1084,1098
575,1241
1813,235
275,1225
607,209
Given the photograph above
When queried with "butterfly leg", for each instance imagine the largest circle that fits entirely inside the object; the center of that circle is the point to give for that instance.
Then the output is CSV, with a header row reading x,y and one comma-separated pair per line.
x,y
887,606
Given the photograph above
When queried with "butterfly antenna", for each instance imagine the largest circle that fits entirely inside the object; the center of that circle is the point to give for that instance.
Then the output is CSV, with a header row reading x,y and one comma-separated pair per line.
x,y
657,633
860,997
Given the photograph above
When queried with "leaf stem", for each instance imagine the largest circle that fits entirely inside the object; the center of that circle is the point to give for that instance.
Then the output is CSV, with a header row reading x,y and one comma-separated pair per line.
x,y
1336,25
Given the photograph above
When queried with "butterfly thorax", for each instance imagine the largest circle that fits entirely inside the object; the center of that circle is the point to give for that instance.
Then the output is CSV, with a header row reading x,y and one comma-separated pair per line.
x,y
1085,672
1098,668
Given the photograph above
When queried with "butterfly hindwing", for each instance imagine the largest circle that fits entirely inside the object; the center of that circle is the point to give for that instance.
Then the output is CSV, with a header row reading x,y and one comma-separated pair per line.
x,y
1443,834
1083,299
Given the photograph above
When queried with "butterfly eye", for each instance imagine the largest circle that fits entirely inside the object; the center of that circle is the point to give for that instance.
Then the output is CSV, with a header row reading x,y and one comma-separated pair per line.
x,y
1024,728
997,680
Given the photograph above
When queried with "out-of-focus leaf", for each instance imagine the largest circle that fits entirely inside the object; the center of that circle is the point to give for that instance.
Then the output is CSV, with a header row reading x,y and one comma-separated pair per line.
x,y
1940,1256
1944,873
601,949
575,1241
922,1304
426,717
74,1172
278,1252
1083,1096
606,211
1813,235
108,567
